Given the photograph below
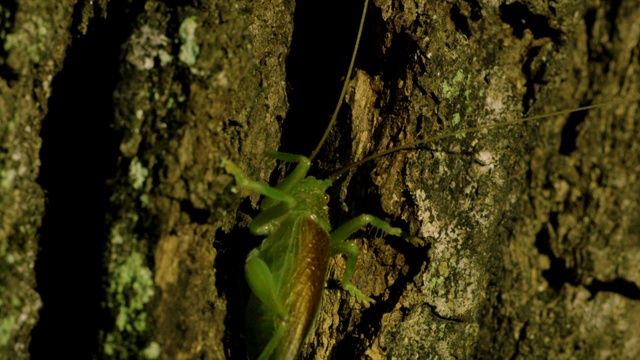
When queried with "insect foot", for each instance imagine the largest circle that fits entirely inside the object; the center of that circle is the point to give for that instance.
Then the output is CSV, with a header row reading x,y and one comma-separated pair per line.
x,y
413,240
340,246
360,297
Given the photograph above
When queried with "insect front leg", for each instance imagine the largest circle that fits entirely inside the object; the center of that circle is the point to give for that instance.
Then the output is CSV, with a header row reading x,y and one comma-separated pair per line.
x,y
340,246
266,190
279,193
291,180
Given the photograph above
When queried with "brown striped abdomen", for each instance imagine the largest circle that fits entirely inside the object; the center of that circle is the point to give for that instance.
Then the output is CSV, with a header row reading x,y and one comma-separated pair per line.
x,y
307,287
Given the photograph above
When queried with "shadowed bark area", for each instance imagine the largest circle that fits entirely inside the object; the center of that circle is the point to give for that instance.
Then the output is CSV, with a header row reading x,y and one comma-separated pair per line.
x,y
532,229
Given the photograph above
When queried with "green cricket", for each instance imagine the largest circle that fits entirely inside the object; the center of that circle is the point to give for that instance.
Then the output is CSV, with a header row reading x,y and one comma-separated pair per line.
x,y
287,272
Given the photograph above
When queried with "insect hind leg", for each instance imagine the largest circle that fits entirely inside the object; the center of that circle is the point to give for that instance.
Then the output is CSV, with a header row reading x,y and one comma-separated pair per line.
x,y
355,224
352,251
340,246
273,342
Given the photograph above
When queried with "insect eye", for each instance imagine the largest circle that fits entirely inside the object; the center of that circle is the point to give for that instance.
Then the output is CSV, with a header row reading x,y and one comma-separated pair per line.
x,y
326,198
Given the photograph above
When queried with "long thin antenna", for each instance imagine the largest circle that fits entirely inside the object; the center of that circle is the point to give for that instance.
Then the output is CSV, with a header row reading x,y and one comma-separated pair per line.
x,y
344,87
415,144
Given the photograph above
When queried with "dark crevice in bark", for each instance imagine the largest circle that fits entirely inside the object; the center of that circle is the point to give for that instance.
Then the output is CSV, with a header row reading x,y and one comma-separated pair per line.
x,y
599,54
476,10
589,21
232,250
558,273
323,38
522,336
619,286
570,132
198,216
460,20
533,78
78,155
436,313
612,17
371,56
520,18
397,63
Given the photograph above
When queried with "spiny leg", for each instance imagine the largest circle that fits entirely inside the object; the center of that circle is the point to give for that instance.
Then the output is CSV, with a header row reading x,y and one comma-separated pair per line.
x,y
266,190
279,193
277,201
291,180
340,246
355,224
352,251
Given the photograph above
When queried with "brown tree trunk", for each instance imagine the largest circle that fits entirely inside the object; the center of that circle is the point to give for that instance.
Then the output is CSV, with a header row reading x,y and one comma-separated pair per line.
x,y
533,247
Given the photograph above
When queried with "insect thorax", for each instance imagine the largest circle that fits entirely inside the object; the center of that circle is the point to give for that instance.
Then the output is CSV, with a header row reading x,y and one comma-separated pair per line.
x,y
312,200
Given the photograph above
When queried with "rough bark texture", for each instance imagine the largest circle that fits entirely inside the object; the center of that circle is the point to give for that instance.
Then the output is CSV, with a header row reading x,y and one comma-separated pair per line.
x,y
532,229
33,38
534,238
200,83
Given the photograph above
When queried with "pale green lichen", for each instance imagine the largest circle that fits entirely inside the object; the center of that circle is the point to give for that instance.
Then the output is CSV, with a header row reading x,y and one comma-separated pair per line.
x,y
109,347
171,103
144,200
435,282
452,89
6,328
152,351
137,174
33,34
459,76
455,120
116,236
132,288
7,178
189,50
164,57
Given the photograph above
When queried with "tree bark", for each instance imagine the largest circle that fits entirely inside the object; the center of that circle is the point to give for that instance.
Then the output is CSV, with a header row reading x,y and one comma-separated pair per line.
x,y
33,38
533,247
